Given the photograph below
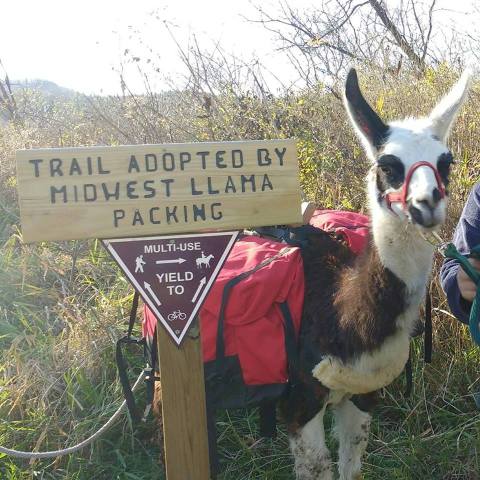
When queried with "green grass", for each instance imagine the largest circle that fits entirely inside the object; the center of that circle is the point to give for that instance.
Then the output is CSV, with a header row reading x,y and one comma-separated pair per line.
x,y
58,385
434,434
63,305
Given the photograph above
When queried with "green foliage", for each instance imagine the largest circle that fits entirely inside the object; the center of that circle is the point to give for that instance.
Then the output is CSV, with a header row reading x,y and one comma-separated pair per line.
x,y
63,305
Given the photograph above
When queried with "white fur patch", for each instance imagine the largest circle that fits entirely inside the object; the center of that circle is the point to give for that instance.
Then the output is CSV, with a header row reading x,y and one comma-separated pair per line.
x,y
370,372
352,427
312,457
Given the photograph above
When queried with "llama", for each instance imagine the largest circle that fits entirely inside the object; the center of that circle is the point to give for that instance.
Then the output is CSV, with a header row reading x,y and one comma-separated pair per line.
x,y
359,312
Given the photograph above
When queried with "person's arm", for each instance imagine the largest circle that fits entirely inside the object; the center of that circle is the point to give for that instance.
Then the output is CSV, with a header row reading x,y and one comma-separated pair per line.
x,y
456,284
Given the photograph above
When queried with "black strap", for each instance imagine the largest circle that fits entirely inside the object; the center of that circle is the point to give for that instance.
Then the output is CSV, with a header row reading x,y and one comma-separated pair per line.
x,y
121,365
268,419
133,313
428,336
268,410
220,341
291,346
408,375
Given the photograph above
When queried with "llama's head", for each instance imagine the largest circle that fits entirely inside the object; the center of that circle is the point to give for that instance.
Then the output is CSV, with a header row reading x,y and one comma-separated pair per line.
x,y
411,162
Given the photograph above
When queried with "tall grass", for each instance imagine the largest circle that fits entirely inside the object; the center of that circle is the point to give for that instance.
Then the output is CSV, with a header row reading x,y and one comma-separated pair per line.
x,y
63,305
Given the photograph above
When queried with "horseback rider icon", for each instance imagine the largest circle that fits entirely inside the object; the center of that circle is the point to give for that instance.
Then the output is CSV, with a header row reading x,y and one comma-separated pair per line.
x,y
204,260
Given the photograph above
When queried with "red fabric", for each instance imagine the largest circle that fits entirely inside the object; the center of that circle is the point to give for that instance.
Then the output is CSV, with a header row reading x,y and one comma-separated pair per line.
x,y
354,226
253,321
149,322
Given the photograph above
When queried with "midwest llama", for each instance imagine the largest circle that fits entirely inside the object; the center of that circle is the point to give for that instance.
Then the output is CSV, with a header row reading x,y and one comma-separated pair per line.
x,y
359,313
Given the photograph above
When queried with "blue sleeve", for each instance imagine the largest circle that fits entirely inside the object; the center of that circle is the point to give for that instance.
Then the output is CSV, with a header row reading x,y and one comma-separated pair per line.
x,y
466,236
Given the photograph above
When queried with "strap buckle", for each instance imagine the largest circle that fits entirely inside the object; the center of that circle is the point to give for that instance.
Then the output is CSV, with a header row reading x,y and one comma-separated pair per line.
x,y
149,379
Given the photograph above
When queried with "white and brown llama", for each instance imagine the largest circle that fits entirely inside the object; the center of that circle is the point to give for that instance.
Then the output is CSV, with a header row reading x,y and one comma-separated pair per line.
x,y
359,313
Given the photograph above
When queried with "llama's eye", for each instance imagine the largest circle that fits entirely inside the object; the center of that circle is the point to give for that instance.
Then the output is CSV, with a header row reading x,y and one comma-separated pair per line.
x,y
390,172
444,166
445,159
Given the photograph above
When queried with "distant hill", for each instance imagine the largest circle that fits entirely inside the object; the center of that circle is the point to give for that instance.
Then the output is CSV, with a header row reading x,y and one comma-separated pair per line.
x,y
46,87
49,90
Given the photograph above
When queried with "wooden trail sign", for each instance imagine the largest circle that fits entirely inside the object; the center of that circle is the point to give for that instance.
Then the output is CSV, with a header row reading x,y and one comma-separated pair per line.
x,y
135,191
128,191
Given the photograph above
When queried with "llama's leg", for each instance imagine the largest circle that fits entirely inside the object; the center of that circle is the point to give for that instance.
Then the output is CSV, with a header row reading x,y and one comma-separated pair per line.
x,y
311,455
352,426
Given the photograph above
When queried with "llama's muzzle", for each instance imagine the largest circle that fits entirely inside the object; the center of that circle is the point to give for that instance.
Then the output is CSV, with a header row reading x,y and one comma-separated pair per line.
x,y
420,210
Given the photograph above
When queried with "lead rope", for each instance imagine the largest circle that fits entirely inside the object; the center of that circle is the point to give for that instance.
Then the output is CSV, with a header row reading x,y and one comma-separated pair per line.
x,y
448,250
79,446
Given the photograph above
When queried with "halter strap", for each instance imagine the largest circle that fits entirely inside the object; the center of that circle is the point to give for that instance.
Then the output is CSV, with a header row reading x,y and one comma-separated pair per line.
x,y
401,196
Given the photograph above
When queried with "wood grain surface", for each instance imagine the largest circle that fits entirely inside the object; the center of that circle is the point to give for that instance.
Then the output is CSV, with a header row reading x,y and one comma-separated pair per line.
x,y
127,191
183,408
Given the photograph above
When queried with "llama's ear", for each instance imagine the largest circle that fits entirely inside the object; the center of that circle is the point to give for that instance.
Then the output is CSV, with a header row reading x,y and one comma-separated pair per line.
x,y
444,114
368,125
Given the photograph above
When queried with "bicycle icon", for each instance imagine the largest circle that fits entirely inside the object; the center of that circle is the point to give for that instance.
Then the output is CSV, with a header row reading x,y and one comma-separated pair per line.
x,y
176,315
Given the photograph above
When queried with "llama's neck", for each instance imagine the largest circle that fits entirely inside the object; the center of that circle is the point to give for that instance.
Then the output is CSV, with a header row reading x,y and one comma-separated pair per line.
x,y
380,297
402,250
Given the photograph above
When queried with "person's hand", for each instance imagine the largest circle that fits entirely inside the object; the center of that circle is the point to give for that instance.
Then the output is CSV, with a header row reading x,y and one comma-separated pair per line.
x,y
467,288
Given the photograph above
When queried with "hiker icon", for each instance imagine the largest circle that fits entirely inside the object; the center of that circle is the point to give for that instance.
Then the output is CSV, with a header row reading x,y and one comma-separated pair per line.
x,y
204,260
139,263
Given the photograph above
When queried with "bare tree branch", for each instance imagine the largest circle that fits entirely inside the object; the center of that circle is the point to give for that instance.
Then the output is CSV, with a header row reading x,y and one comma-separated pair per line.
x,y
399,38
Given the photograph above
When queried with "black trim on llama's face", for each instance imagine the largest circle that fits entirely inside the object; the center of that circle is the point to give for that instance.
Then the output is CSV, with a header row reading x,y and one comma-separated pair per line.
x,y
444,162
390,173
365,118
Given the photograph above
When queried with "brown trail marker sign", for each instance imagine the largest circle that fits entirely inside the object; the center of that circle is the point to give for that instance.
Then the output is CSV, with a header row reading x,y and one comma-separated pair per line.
x,y
140,190
173,274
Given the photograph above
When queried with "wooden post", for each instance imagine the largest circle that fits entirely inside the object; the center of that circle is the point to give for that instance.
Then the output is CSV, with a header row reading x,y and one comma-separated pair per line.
x,y
183,408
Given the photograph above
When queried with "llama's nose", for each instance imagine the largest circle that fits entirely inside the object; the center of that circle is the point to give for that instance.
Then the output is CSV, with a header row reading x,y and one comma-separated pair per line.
x,y
431,201
422,216
422,210
427,200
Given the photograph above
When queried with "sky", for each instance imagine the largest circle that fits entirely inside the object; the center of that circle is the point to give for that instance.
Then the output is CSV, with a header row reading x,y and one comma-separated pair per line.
x,y
80,44
76,43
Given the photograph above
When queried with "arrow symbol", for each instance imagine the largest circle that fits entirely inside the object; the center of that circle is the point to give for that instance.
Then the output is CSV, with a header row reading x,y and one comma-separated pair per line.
x,y
177,260
203,281
148,287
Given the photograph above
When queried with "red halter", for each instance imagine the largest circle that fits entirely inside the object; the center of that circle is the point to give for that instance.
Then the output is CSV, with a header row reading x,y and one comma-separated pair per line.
x,y
401,196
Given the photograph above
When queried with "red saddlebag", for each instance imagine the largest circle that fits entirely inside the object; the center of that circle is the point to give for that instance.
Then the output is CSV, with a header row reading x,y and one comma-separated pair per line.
x,y
251,318
249,322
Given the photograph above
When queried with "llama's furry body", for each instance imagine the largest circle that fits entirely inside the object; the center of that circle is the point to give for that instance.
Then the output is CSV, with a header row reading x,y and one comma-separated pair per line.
x,y
355,335
359,312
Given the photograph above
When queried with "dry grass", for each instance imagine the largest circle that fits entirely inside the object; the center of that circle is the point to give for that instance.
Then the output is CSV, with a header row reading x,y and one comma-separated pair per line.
x,y
62,305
